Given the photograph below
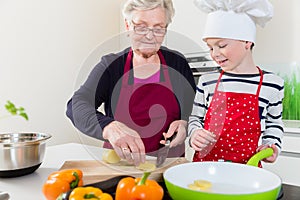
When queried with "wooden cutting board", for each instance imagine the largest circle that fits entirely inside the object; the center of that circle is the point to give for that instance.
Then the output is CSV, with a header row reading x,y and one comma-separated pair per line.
x,y
97,170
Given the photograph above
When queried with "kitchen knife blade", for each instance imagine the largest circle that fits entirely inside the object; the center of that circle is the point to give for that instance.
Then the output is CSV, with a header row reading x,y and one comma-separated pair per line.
x,y
162,154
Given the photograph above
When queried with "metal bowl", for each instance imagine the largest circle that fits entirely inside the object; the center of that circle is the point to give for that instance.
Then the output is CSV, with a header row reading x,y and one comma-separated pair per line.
x,y
21,153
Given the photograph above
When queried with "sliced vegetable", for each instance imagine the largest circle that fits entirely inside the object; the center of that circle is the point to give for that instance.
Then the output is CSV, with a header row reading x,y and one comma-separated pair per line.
x,y
110,156
146,166
92,193
200,185
139,189
62,181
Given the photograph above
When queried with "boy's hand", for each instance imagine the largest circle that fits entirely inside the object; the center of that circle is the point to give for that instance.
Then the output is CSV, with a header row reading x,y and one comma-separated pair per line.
x,y
201,139
272,158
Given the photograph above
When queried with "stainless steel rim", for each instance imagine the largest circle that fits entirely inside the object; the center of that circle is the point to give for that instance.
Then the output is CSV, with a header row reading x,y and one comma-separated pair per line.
x,y
12,139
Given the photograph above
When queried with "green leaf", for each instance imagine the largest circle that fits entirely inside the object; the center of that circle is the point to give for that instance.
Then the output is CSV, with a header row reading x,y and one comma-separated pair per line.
x,y
24,115
11,108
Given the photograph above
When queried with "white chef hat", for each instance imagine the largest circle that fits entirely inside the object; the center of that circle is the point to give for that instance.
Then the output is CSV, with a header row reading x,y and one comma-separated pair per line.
x,y
234,19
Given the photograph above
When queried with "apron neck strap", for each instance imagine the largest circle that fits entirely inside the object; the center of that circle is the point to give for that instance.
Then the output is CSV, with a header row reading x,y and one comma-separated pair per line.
x,y
128,61
219,80
161,58
260,81
259,85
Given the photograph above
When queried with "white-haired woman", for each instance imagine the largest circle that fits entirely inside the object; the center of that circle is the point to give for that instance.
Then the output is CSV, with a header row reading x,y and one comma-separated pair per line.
x,y
147,89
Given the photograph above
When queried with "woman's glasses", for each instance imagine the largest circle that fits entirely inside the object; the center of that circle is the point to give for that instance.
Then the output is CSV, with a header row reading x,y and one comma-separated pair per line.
x,y
143,30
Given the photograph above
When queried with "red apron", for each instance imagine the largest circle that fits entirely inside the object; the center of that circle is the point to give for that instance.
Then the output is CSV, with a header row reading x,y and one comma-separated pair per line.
x,y
234,118
148,108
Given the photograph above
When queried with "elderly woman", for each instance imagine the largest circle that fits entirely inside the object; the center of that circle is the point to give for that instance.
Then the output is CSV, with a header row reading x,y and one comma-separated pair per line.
x,y
147,89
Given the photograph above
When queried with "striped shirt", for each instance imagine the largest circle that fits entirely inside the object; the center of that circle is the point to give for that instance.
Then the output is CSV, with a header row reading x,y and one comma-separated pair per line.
x,y
270,100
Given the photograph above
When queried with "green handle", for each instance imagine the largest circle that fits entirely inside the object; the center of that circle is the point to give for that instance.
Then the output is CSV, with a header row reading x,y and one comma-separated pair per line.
x,y
265,153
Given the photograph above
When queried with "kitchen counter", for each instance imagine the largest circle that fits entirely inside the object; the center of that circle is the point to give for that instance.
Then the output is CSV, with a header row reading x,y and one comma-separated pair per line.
x,y
288,161
30,186
291,192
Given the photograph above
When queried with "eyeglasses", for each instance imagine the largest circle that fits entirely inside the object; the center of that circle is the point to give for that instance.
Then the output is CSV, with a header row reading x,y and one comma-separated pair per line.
x,y
143,30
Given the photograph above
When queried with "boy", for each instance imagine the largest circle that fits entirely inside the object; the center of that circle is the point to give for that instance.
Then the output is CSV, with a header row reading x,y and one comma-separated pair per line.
x,y
237,105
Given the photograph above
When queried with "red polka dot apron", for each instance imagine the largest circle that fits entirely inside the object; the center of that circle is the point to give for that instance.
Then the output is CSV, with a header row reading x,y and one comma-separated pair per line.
x,y
234,118
148,108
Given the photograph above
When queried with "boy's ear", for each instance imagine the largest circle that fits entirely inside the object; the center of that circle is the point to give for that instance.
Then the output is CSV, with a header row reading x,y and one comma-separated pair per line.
x,y
248,44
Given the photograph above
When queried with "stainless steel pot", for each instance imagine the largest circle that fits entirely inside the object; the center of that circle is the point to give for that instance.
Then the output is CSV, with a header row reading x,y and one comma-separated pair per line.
x,y
21,153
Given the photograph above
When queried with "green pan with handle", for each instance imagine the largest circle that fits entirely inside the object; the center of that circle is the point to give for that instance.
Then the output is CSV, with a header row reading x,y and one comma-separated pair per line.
x,y
229,181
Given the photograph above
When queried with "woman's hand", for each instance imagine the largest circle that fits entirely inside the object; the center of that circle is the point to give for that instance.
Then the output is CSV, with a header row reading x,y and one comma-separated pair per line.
x,y
272,158
126,142
201,139
178,127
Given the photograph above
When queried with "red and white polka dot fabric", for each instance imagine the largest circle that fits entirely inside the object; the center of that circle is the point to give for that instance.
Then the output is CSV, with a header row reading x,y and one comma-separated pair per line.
x,y
234,118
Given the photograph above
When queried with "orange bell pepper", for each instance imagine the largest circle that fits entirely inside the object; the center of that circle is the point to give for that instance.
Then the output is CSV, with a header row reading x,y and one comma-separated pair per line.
x,y
139,189
92,193
62,181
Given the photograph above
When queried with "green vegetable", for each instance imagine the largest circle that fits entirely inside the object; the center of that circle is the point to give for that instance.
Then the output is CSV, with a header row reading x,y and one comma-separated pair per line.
x,y
13,110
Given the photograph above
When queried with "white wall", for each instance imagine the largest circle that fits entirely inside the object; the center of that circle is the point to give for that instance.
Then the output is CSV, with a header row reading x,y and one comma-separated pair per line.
x,y
279,42
188,21
43,44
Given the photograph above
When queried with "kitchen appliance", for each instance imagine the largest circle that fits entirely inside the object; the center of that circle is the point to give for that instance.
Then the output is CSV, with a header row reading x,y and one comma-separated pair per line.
x,y
21,153
201,63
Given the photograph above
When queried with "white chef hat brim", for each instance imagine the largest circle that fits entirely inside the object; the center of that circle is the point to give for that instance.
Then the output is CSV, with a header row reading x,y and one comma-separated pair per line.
x,y
234,19
230,25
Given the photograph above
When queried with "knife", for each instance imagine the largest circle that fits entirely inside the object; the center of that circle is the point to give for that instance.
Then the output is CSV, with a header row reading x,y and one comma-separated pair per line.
x,y
162,154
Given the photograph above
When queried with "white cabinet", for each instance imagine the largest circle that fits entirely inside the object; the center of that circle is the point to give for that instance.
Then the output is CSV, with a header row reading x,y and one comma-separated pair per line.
x,y
287,165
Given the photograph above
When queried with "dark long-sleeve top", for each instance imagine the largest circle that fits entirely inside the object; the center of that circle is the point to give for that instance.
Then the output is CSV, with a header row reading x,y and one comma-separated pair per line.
x,y
103,87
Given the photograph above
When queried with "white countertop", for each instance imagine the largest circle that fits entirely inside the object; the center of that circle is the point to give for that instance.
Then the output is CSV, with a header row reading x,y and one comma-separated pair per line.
x,y
30,186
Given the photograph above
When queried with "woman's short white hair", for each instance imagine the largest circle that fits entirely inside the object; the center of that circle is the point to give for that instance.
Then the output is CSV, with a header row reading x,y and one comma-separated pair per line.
x,y
132,5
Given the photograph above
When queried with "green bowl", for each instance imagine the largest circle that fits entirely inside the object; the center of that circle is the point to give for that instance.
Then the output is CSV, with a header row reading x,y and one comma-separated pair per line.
x,y
229,181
